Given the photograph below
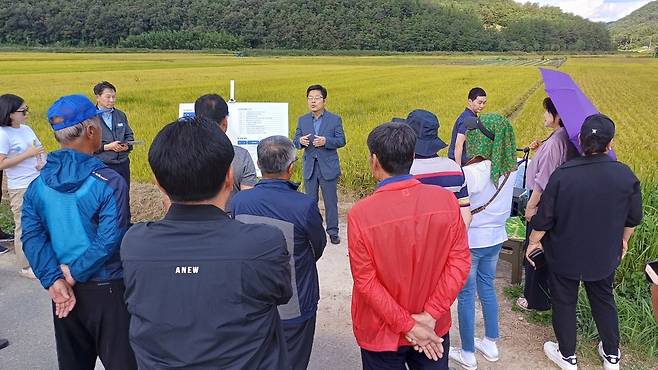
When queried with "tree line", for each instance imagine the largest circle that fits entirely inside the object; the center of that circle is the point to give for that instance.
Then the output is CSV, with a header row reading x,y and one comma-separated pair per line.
x,y
387,25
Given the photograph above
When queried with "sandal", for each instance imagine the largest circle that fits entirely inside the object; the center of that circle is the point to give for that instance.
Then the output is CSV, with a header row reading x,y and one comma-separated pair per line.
x,y
522,303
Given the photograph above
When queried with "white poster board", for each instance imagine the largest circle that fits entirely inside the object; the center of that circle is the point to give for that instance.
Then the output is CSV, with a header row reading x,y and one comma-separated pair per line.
x,y
249,123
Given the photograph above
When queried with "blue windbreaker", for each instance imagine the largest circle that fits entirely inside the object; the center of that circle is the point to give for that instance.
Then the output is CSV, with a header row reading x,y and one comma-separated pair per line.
x,y
75,213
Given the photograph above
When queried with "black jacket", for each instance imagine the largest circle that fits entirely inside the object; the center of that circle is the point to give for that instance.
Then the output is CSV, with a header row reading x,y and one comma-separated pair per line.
x,y
120,131
202,291
586,205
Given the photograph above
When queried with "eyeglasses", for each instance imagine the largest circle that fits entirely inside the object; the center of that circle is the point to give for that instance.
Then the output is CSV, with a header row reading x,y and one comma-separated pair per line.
x,y
315,98
25,111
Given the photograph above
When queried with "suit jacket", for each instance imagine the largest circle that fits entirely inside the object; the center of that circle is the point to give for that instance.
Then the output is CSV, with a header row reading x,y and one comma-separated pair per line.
x,y
327,157
120,131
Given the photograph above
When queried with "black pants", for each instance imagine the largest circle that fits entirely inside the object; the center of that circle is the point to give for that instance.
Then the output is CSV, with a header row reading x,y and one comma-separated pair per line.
x,y
299,338
565,297
123,169
97,327
405,355
536,287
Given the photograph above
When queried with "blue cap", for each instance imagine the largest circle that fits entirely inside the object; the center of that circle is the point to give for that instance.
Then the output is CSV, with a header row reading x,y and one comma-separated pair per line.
x,y
70,110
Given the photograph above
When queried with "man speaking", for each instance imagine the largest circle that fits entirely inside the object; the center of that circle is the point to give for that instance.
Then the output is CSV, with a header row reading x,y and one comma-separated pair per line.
x,y
320,133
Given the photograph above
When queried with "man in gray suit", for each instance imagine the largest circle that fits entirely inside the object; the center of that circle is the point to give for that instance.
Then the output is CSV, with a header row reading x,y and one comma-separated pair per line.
x,y
320,133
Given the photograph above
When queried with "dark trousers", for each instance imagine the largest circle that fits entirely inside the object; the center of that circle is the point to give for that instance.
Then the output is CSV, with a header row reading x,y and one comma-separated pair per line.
x,y
403,357
299,338
604,311
536,288
123,169
329,194
97,327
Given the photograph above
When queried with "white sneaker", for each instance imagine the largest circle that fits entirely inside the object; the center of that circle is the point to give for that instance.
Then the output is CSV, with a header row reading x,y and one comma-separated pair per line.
x,y
455,354
552,351
490,354
610,362
27,273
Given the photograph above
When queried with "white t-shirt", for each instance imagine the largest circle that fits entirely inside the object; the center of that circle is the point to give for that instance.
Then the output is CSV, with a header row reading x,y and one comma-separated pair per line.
x,y
14,141
488,226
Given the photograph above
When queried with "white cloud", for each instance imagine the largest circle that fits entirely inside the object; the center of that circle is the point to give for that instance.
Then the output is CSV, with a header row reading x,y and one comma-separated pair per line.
x,y
595,10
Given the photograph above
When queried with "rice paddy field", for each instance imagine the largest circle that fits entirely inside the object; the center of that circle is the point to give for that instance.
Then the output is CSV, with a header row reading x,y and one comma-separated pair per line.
x,y
367,91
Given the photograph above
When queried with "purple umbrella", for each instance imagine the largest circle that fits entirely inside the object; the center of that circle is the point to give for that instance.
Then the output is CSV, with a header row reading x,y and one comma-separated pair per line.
x,y
572,105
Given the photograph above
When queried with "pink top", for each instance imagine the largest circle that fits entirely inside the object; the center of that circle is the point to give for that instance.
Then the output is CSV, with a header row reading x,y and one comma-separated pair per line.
x,y
556,150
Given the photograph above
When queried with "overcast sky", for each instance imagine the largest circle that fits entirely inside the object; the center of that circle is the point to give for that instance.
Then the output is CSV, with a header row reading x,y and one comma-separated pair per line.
x,y
595,10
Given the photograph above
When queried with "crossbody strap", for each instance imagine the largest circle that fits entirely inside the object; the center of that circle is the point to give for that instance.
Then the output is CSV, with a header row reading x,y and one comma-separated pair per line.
x,y
482,207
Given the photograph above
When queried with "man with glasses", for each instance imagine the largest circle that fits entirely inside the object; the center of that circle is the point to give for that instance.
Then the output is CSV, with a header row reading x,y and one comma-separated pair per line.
x,y
320,133
276,201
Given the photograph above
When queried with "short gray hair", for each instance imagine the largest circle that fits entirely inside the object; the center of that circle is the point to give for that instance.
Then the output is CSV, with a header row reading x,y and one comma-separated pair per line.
x,y
66,135
275,154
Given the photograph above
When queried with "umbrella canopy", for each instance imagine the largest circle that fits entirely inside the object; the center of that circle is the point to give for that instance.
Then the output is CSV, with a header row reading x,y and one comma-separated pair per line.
x,y
572,105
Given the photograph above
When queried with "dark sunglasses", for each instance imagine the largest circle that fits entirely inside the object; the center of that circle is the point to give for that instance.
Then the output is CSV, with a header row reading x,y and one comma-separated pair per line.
x,y
24,111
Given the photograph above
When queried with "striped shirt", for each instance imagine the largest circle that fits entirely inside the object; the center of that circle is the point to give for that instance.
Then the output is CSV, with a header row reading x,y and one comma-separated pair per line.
x,y
443,172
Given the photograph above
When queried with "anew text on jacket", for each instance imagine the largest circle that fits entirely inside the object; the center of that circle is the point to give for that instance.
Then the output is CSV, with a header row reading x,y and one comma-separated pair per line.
x,y
187,269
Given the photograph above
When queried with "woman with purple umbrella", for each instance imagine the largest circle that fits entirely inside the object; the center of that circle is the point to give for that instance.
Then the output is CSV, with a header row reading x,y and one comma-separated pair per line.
x,y
550,154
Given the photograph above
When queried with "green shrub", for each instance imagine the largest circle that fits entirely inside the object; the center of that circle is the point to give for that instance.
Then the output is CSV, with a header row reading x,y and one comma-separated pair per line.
x,y
183,40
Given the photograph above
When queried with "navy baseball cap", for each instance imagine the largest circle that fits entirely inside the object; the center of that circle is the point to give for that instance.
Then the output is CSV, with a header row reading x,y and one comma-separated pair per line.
x,y
426,126
70,110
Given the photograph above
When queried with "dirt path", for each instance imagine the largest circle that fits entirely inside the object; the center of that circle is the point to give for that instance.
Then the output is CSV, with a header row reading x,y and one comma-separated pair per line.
x,y
335,348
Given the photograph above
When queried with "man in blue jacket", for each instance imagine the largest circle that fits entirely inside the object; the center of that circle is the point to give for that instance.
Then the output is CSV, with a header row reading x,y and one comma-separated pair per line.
x,y
276,201
74,216
203,289
320,133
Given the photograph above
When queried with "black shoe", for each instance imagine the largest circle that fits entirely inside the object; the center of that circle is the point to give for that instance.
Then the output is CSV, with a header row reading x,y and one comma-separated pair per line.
x,y
3,250
335,239
3,343
5,237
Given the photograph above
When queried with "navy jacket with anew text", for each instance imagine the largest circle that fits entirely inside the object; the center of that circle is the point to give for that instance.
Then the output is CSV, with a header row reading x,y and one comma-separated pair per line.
x,y
202,291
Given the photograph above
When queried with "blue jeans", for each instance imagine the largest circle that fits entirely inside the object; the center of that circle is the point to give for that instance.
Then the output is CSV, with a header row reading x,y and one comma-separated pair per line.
x,y
481,277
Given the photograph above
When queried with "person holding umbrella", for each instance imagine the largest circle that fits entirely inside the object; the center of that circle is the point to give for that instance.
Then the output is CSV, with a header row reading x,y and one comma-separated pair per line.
x,y
550,154
588,211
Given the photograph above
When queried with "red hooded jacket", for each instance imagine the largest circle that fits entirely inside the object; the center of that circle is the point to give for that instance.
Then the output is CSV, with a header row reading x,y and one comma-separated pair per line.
x,y
409,253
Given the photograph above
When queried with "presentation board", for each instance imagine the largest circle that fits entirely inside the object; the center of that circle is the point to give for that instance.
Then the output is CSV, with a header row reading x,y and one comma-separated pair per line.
x,y
249,123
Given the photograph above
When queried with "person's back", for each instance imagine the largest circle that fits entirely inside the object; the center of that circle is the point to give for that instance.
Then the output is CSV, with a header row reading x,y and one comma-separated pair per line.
x,y
590,187
202,289
194,285
410,227
74,217
276,201
67,197
409,258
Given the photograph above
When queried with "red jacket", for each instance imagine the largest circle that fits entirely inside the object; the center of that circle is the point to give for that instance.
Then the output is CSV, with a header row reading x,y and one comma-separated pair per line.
x,y
409,253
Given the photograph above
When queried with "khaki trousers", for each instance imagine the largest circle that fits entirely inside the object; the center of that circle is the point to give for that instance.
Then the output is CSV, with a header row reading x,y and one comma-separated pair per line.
x,y
16,201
